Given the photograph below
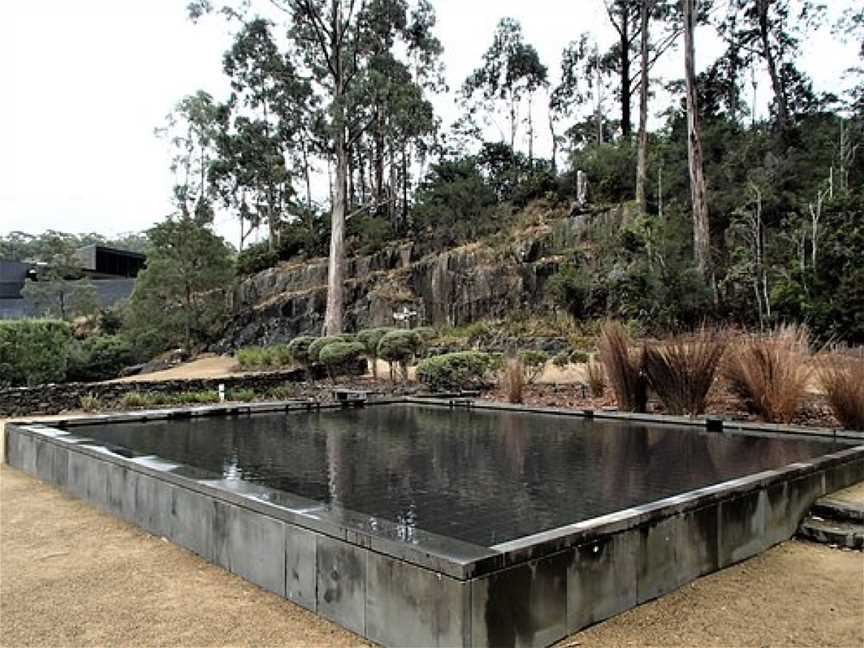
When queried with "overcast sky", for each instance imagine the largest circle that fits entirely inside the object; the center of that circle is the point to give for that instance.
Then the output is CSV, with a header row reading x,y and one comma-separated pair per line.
x,y
86,81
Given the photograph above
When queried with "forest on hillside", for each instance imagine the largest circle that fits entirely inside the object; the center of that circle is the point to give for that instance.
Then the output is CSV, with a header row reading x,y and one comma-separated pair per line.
x,y
734,213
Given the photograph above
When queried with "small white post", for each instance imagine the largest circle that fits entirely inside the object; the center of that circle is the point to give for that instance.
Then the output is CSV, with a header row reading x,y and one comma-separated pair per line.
x,y
221,392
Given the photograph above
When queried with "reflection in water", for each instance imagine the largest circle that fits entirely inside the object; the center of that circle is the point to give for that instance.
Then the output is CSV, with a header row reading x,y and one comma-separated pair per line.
x,y
481,476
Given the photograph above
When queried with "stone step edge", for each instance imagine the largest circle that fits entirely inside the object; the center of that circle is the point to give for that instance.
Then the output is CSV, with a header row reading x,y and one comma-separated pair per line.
x,y
833,509
847,535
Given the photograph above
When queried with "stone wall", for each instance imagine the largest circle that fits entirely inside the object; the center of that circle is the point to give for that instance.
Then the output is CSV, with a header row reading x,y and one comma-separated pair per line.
x,y
57,398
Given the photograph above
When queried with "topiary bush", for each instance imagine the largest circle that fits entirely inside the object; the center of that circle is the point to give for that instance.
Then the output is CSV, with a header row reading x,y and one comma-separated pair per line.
x,y
370,339
319,344
458,371
298,349
100,358
340,357
33,352
399,347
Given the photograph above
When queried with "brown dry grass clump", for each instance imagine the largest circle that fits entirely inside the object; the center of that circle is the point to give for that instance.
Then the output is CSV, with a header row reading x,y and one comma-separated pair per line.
x,y
623,368
596,378
682,369
842,379
769,373
514,380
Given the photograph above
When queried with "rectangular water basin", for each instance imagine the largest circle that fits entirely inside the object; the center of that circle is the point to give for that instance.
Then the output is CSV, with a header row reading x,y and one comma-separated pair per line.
x,y
423,523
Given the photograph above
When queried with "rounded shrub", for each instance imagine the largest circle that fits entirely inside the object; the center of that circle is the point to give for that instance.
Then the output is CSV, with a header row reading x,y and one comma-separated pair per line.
x,y
370,339
339,357
298,349
533,364
319,344
458,371
399,347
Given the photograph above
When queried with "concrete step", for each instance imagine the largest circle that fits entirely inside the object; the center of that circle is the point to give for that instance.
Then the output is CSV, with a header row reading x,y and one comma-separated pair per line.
x,y
842,533
835,509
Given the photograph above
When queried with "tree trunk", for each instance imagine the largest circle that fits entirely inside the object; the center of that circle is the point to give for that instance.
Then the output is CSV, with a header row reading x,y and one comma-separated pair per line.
x,y
776,82
531,130
379,157
626,99
513,124
554,144
642,167
701,227
307,175
336,267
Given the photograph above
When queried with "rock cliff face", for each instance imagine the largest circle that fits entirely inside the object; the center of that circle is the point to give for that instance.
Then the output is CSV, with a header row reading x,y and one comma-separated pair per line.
x,y
454,287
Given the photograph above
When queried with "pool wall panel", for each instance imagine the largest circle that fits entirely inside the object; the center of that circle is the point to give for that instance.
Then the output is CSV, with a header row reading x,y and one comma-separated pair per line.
x,y
541,589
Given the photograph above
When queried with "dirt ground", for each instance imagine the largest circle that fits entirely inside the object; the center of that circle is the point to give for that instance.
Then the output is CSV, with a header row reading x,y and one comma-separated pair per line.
x,y
73,576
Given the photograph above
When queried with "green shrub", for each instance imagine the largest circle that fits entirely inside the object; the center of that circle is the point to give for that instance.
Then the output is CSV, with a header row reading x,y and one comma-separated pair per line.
x,y
33,352
90,403
100,358
136,399
370,339
276,356
256,258
241,395
250,357
298,350
399,347
339,357
561,360
288,391
533,364
206,397
319,344
579,357
457,371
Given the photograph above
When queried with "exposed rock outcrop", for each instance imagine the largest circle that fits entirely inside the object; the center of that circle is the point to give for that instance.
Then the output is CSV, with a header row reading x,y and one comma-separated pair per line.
x,y
455,287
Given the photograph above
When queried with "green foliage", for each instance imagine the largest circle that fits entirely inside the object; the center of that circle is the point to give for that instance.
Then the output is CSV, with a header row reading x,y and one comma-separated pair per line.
x,y
276,356
90,403
319,344
340,357
288,391
370,339
179,299
533,364
570,289
458,371
100,358
34,352
137,400
399,347
298,350
611,168
455,204
241,395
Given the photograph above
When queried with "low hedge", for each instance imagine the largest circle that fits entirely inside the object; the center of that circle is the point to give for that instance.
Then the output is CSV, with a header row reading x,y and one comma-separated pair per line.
x,y
458,371
34,352
99,358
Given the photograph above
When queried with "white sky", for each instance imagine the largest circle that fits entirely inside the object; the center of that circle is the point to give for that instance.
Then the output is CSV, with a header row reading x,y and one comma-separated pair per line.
x,y
86,82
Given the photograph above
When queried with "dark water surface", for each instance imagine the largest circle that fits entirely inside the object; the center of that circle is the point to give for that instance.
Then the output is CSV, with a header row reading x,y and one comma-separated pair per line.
x,y
480,476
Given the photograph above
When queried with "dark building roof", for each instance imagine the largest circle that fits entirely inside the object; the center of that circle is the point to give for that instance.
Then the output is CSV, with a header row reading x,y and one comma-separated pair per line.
x,y
12,276
100,261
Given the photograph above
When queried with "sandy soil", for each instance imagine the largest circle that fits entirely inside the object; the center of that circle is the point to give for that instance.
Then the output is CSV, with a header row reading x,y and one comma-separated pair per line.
x,y
71,575
205,367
